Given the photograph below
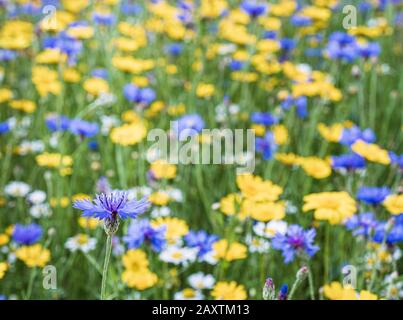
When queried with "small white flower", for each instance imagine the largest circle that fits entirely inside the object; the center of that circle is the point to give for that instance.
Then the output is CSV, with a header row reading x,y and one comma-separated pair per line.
x,y
81,242
37,197
258,245
160,212
17,189
268,230
107,123
178,255
200,281
188,294
40,210
175,194
27,147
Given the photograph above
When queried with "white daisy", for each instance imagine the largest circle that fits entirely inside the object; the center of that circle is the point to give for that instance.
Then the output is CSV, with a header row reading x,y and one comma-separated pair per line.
x,y
188,294
200,281
40,210
81,242
178,255
268,230
17,189
36,197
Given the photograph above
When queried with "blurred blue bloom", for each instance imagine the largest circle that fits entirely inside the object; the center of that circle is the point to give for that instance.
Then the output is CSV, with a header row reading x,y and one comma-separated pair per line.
x,y
138,95
351,135
348,161
106,19
363,224
342,46
83,128
141,231
189,125
296,241
27,234
201,240
253,8
4,127
396,159
300,21
372,195
100,73
7,55
369,50
57,123
266,145
174,49
236,65
264,118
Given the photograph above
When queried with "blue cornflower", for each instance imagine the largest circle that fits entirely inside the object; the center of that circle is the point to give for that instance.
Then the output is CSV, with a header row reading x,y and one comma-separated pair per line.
x,y
189,125
253,8
351,135
363,224
201,240
138,95
394,233
266,145
141,231
342,46
283,292
236,65
57,123
300,21
27,234
100,73
396,159
128,8
4,127
348,161
300,103
7,55
369,50
174,49
264,118
372,195
66,44
83,128
296,241
111,206
106,19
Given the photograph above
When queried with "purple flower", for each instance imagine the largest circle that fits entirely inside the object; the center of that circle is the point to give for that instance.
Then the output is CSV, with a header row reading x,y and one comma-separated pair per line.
x,y
27,234
296,241
111,206
264,118
141,231
372,195
362,224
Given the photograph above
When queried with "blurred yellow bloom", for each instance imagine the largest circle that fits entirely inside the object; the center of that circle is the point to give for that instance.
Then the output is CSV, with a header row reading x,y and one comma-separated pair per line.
x,y
33,256
139,280
159,198
228,291
335,291
394,204
334,207
331,133
5,95
205,90
229,251
257,189
128,134
315,167
96,86
371,152
280,133
3,269
4,239
27,106
88,223
163,170
175,227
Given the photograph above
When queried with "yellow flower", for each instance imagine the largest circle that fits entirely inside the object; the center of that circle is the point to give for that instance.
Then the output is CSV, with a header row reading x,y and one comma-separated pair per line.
x,y
175,227
139,280
315,167
230,204
159,198
205,90
263,211
371,152
27,106
88,223
3,269
259,129
332,133
255,188
280,133
46,81
135,260
229,252
334,207
212,8
163,170
71,75
287,158
51,56
33,256
96,86
54,160
5,95
128,134
4,239
224,290
81,32
335,291
394,203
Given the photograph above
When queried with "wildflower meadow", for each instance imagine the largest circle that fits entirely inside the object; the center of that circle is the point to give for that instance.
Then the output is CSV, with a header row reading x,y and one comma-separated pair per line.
x,y
201,149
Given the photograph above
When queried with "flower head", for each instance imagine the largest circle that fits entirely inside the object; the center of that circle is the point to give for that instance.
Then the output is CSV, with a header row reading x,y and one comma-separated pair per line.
x,y
28,234
295,241
141,231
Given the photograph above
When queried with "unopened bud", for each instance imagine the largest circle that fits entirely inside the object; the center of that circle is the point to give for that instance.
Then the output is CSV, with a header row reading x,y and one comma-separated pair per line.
x,y
111,226
302,273
269,289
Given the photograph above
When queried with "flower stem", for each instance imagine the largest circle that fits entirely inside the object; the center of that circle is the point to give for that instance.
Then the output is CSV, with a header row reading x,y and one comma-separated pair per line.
x,y
310,280
106,266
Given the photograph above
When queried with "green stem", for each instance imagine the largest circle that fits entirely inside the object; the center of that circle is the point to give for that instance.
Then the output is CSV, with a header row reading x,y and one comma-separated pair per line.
x,y
106,265
311,286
